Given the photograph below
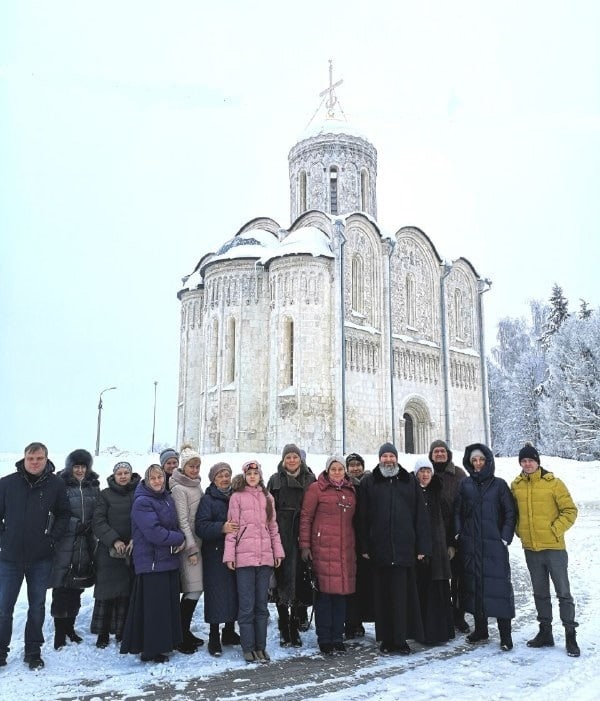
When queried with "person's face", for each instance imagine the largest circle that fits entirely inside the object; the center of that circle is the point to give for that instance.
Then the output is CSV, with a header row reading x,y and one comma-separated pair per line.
x,y
291,462
252,477
424,476
122,476
355,468
439,455
79,472
222,479
170,465
336,471
478,463
156,479
192,468
388,459
529,466
35,462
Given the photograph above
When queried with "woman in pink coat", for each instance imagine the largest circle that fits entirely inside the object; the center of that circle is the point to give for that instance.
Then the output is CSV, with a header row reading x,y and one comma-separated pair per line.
x,y
327,538
253,551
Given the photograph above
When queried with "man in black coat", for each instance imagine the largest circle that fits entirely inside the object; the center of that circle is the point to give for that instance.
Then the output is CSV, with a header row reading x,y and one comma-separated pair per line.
x,y
34,514
394,532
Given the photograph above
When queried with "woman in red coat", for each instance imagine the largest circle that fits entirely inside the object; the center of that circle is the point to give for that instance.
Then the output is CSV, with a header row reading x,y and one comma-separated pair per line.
x,y
327,538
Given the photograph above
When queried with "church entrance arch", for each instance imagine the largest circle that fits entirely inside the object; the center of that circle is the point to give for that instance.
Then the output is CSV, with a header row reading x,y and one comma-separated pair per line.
x,y
417,424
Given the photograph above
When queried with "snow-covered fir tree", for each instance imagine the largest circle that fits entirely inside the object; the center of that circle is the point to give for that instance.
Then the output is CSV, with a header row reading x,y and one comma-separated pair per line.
x,y
559,312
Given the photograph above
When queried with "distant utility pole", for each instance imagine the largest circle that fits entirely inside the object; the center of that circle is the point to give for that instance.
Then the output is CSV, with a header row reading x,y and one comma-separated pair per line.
x,y
154,415
100,418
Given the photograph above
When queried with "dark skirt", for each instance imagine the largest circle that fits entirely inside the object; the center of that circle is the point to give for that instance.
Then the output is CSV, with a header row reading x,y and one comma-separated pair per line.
x,y
436,606
109,616
397,610
153,624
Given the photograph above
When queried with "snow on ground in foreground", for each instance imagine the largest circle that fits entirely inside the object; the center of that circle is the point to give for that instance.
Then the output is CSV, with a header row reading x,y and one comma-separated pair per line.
x,y
481,672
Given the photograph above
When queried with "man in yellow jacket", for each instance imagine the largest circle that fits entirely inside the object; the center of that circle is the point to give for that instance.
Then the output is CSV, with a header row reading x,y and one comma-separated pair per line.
x,y
545,511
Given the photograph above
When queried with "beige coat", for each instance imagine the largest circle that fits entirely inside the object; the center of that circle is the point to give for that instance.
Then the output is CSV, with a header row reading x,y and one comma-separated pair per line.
x,y
186,493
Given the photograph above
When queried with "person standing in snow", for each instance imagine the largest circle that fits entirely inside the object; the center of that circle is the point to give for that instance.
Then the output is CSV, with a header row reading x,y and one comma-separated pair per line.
x,y
169,461
34,515
545,512
73,569
484,520
252,552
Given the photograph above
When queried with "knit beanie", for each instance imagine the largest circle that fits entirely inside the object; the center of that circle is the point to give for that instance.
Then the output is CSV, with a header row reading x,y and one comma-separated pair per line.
x,y
476,454
166,455
421,463
123,465
332,459
291,448
528,451
218,467
439,443
355,456
254,464
388,448
187,454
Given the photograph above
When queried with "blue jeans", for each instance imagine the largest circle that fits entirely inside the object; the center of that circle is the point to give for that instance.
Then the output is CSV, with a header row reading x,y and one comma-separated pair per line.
x,y
544,565
253,600
330,614
37,575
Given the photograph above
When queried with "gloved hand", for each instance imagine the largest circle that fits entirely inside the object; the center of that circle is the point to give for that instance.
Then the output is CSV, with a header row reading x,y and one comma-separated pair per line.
x,y
305,554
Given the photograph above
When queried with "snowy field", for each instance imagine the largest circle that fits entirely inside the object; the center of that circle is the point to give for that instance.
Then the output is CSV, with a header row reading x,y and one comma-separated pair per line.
x,y
446,672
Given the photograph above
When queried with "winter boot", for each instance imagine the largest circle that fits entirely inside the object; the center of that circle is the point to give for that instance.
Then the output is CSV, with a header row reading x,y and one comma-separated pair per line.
x,y
459,621
295,638
60,633
571,643
70,630
214,641
102,641
190,642
504,628
229,636
544,638
303,622
284,625
481,631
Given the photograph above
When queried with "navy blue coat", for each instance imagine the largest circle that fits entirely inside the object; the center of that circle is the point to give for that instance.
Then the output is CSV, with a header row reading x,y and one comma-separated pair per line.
x,y
484,516
220,588
33,517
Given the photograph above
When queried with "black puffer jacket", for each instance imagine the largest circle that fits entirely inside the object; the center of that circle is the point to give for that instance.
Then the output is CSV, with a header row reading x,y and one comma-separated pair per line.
x,y
73,565
33,516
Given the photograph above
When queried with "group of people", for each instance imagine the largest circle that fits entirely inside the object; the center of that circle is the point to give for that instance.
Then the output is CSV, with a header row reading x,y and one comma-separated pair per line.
x,y
410,550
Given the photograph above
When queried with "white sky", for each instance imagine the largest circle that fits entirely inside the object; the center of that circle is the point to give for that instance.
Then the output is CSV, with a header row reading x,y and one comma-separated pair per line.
x,y
135,137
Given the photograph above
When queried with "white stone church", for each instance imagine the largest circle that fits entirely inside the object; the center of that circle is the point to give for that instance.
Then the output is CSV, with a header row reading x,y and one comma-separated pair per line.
x,y
329,334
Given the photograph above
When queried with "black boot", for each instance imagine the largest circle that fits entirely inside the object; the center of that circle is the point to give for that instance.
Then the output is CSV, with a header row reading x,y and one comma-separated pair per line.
x,y
283,613
60,633
295,638
504,628
481,631
214,641
459,621
303,622
544,637
70,630
571,643
102,641
229,636
190,643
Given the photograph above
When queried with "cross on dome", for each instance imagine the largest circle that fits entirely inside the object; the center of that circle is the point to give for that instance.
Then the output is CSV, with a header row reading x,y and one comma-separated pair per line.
x,y
332,100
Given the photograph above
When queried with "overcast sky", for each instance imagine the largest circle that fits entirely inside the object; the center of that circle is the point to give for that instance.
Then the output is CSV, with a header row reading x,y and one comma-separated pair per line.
x,y
137,136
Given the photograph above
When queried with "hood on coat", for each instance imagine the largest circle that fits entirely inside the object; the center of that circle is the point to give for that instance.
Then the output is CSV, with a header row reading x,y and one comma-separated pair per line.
x,y
440,444
490,465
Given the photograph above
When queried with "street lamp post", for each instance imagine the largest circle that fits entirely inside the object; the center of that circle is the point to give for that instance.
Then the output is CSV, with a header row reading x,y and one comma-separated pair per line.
x,y
100,418
154,415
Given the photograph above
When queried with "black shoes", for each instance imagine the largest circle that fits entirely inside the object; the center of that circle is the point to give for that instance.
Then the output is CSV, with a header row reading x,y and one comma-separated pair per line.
x,y
544,638
326,648
102,641
159,659
229,636
388,648
478,636
34,661
571,643
214,645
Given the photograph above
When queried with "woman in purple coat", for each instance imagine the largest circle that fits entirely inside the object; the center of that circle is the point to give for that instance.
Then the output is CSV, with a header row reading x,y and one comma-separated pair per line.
x,y
153,625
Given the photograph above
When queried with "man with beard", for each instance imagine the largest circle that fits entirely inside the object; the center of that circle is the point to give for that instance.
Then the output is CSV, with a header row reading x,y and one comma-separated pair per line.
x,y
451,476
394,532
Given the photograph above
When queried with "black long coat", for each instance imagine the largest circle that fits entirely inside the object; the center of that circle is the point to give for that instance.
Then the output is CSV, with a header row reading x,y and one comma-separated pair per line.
x,y
484,516
220,588
112,522
288,493
440,562
73,565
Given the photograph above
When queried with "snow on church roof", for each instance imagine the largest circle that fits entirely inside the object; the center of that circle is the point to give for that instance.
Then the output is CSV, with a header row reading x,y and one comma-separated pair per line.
x,y
306,240
334,126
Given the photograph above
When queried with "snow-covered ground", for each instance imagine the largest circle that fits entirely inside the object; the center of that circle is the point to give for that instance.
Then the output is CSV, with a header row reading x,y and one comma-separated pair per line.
x,y
445,672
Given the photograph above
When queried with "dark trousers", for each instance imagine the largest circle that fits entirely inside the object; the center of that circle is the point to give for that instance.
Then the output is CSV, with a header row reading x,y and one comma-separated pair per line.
x,y
253,599
37,576
543,566
330,613
390,592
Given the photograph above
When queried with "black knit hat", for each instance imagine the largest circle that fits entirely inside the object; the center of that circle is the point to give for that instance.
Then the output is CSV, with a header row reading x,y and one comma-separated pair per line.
x,y
528,451
388,448
355,456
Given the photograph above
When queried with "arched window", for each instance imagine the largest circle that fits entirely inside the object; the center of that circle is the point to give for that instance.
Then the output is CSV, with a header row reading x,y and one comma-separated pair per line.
x,y
230,353
364,190
333,190
411,301
214,354
358,282
409,434
302,192
458,313
288,353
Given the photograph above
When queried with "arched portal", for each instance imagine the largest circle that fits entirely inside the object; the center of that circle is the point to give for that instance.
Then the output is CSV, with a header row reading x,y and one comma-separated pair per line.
x,y
417,425
409,434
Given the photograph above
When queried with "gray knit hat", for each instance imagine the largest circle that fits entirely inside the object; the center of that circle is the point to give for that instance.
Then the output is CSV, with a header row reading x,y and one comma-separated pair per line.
x,y
332,459
166,455
291,448
219,467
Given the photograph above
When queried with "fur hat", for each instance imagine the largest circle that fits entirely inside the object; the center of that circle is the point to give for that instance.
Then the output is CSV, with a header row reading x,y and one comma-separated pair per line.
x,y
219,467
332,459
166,454
528,451
388,448
290,448
422,463
252,463
122,465
355,456
187,454
79,457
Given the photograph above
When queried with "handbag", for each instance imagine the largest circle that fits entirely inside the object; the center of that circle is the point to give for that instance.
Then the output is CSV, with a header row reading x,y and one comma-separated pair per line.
x,y
113,552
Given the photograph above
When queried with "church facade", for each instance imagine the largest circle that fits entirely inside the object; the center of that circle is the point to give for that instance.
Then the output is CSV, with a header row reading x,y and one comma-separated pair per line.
x,y
329,334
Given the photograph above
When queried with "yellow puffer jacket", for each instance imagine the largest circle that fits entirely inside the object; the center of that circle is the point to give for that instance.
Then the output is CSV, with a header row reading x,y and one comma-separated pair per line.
x,y
545,510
